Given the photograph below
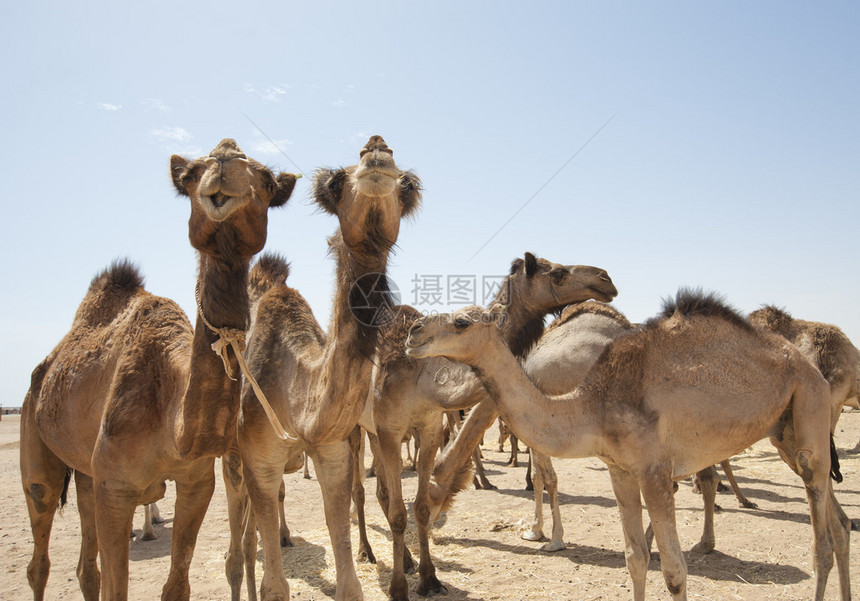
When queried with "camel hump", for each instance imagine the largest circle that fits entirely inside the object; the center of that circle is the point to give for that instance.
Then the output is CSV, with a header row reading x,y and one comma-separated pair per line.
x,y
772,318
271,269
695,302
591,307
121,276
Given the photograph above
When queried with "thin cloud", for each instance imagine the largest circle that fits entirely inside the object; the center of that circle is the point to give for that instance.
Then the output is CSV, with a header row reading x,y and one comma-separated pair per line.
x,y
174,139
270,146
155,104
268,95
106,106
339,103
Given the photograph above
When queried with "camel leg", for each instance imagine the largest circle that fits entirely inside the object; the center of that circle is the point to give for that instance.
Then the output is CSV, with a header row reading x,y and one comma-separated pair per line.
x,y
481,481
739,495
658,492
114,512
536,532
283,529
148,530
263,482
514,461
238,512
390,463
707,479
192,501
89,577
383,497
840,528
636,553
333,467
356,438
556,543
428,583
307,468
45,481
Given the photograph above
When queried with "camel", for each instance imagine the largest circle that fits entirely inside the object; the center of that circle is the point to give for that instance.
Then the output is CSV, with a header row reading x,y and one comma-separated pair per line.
x,y
827,347
695,385
133,396
559,360
317,384
415,394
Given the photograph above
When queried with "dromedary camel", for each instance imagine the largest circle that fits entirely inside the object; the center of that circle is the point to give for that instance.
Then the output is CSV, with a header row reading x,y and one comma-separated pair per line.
x,y
416,394
827,347
318,385
695,385
132,396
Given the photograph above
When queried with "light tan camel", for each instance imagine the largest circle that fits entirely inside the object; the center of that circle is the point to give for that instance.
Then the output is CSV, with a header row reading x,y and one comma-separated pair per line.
x,y
560,359
132,396
408,394
695,385
318,384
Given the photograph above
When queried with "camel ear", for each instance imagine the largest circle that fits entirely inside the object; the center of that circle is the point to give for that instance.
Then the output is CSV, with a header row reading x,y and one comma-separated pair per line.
x,y
177,168
327,188
531,265
410,192
286,183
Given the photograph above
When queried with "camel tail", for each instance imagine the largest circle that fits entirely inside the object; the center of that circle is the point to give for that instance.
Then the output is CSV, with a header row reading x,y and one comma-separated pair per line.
x,y
834,462
64,496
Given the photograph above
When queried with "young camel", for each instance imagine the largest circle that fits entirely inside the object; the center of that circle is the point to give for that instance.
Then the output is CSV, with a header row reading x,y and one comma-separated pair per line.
x,y
318,384
415,394
695,385
132,396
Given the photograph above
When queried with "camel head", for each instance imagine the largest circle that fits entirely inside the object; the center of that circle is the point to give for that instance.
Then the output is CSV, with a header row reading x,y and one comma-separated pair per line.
x,y
459,336
369,199
549,287
229,192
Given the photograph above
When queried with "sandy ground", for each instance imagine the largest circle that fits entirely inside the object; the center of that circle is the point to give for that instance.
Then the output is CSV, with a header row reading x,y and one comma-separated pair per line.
x,y
761,554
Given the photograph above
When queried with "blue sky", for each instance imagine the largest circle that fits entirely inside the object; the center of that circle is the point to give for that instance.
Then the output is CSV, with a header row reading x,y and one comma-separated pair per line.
x,y
729,154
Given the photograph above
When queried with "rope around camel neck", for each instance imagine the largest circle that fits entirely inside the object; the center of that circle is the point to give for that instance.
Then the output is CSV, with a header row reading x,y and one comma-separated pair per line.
x,y
235,338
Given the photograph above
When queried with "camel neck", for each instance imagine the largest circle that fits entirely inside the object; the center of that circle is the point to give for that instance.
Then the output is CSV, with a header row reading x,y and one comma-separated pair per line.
x,y
210,405
336,399
562,426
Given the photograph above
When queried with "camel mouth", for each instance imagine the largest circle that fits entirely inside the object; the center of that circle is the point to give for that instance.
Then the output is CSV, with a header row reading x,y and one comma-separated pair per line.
x,y
602,295
412,347
219,206
219,199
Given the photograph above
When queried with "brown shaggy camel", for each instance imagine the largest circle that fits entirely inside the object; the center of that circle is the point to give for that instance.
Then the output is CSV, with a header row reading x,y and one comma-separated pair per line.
x,y
133,396
317,384
693,386
409,394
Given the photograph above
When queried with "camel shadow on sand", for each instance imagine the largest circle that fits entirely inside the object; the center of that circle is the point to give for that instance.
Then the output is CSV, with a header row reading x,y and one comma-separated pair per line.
x,y
142,550
714,566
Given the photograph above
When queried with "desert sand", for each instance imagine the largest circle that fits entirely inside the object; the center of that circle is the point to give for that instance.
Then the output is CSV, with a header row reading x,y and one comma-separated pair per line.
x,y
762,553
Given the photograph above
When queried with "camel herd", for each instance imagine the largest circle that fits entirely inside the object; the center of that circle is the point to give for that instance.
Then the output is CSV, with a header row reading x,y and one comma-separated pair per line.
x,y
134,395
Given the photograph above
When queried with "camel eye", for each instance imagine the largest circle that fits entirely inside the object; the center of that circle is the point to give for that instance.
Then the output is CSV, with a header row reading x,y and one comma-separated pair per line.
x,y
462,322
557,275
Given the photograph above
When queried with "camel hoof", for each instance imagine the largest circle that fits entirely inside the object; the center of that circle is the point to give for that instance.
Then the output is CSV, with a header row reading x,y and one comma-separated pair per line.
x,y
532,535
158,520
147,536
748,504
431,587
717,508
552,546
366,557
702,547
286,542
855,525
307,476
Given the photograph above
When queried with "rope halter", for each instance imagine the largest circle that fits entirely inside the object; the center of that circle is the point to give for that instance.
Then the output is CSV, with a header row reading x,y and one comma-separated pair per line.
x,y
235,338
